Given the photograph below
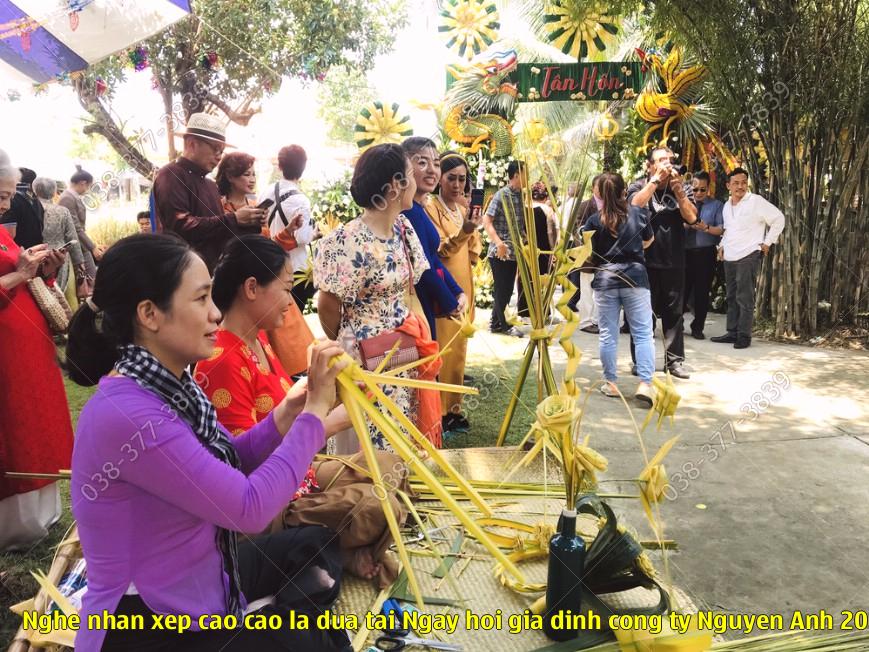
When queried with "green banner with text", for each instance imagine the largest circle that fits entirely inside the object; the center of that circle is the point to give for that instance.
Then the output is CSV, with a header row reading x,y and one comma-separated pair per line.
x,y
596,81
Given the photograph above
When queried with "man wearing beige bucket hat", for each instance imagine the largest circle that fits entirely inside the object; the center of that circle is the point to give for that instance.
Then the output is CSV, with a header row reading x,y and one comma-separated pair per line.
x,y
188,203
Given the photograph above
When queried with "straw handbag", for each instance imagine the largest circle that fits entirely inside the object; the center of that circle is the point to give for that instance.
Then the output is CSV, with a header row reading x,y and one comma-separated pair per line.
x,y
52,303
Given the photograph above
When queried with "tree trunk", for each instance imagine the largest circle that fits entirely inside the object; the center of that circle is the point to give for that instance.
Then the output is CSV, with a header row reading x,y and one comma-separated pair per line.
x,y
106,126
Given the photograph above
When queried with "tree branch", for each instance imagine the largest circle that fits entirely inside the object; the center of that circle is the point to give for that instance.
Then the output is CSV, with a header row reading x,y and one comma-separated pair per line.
x,y
241,117
106,126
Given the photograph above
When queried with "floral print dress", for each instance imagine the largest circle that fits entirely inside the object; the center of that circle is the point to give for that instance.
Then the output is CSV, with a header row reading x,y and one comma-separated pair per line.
x,y
371,277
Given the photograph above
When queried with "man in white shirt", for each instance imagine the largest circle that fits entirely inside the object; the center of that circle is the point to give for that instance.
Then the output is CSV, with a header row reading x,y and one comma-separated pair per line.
x,y
289,201
751,226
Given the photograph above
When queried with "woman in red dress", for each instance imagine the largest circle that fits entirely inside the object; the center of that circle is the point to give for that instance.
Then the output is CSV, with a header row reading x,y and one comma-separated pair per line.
x,y
245,379
35,428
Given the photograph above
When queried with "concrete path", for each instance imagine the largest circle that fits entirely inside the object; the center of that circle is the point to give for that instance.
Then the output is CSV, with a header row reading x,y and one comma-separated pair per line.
x,y
771,510
770,475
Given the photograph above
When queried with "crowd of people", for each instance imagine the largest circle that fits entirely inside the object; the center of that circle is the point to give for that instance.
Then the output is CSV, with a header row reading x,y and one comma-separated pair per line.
x,y
193,467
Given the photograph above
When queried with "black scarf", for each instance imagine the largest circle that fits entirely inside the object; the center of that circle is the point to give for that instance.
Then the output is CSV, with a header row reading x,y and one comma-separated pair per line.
x,y
191,403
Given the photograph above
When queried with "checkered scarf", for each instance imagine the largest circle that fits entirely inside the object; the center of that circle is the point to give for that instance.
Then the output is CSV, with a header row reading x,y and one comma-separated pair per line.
x,y
190,402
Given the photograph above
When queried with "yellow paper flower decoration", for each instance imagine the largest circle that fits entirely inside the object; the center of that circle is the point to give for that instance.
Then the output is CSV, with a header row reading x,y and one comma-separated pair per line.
x,y
653,480
580,29
380,123
665,401
470,26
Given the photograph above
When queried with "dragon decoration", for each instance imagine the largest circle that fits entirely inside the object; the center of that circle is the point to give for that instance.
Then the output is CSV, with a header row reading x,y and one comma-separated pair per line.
x,y
481,104
671,103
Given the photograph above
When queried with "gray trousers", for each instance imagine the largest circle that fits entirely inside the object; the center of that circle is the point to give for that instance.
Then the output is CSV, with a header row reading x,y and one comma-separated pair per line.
x,y
741,278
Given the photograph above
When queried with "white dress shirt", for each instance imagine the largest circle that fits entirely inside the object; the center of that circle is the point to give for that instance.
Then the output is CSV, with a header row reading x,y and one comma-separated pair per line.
x,y
293,204
745,226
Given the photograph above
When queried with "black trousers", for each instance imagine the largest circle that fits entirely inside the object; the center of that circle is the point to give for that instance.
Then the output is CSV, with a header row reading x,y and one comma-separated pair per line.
x,y
544,261
290,565
575,278
302,293
668,289
504,278
700,266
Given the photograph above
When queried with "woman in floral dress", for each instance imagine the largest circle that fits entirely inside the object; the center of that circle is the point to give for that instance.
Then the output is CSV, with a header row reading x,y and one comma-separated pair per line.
x,y
365,269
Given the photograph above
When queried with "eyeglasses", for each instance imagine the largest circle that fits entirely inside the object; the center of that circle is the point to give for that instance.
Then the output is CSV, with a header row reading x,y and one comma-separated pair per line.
x,y
213,146
700,189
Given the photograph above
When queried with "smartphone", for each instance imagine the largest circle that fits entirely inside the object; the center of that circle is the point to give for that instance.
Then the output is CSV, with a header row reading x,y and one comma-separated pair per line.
x,y
476,197
265,203
65,245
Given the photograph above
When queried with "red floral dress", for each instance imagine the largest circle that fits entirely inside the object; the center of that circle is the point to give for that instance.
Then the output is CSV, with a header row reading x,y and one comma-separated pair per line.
x,y
243,388
35,428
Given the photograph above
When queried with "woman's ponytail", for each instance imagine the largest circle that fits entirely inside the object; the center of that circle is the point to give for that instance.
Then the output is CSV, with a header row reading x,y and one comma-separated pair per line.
x,y
141,267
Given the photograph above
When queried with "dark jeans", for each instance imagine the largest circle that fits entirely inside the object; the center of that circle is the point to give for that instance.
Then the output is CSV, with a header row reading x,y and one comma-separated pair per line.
x,y
544,261
667,286
288,565
741,281
699,271
504,278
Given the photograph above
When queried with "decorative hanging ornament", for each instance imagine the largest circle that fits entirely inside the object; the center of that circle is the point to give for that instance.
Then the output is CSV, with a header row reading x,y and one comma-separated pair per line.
x,y
469,26
75,6
209,61
535,130
605,127
100,86
139,58
25,39
380,123
578,28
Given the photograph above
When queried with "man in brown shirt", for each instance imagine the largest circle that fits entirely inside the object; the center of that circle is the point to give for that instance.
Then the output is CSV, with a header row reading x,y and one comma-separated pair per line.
x,y
189,204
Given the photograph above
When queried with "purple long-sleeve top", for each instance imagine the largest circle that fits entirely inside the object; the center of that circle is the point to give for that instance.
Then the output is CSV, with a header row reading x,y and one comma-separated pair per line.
x,y
148,498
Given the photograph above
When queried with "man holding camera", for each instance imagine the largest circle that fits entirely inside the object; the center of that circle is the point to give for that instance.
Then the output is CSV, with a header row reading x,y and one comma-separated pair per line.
x,y
751,226
669,203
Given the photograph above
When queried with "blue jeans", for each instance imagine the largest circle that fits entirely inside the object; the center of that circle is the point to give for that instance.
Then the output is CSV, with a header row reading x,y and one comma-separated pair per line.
x,y
637,303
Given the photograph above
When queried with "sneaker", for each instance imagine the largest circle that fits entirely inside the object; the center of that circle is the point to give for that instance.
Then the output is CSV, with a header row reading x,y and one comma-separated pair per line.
x,y
609,389
644,394
513,332
742,343
591,329
727,338
698,335
677,370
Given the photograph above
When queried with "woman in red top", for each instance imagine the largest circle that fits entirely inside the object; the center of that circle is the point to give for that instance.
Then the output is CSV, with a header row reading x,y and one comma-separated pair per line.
x,y
245,379
236,181
33,438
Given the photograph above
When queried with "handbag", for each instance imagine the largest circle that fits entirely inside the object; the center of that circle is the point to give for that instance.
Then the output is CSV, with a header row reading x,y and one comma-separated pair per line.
x,y
373,350
52,303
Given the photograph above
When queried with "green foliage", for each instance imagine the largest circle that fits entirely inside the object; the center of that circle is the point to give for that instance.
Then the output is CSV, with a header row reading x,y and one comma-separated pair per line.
x,y
331,201
342,94
259,41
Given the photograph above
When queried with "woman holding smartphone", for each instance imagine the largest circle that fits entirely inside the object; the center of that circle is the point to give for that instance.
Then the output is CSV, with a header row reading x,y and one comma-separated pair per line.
x,y
33,438
160,489
236,181
458,225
